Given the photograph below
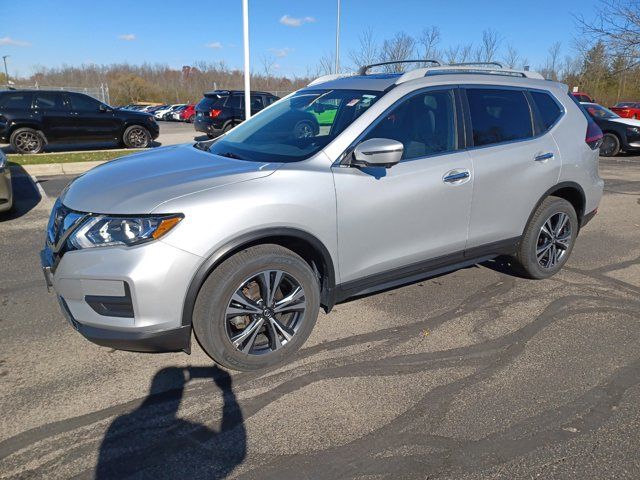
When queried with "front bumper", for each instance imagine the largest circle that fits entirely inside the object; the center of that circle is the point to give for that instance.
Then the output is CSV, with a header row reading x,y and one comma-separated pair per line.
x,y
127,298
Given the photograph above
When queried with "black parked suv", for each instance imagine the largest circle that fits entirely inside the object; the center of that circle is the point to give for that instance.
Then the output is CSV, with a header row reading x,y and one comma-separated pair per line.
x,y
620,134
221,110
29,119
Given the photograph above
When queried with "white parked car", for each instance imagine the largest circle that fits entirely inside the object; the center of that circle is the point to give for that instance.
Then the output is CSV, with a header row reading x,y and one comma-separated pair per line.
x,y
162,113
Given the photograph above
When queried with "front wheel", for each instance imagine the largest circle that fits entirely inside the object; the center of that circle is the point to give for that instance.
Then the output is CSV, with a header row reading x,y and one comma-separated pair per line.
x,y
610,145
257,308
548,239
136,136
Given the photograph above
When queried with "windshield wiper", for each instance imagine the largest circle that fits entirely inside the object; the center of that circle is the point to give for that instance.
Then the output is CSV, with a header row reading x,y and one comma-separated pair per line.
x,y
230,155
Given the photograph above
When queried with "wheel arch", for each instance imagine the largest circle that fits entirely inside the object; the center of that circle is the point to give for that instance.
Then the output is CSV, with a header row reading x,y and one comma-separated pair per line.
x,y
572,192
28,124
303,243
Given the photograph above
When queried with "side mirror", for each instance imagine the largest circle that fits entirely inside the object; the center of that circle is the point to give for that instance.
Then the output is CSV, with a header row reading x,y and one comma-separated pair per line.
x,y
377,152
103,108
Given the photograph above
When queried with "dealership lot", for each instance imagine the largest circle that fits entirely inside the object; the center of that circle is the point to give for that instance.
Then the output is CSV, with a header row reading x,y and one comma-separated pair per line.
x,y
474,374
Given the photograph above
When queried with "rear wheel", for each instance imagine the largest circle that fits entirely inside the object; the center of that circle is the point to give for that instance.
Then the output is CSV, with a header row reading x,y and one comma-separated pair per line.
x,y
136,136
610,145
257,308
27,140
548,239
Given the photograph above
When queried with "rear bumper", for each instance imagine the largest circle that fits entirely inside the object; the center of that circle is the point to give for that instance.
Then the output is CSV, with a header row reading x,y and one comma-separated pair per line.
x,y
206,127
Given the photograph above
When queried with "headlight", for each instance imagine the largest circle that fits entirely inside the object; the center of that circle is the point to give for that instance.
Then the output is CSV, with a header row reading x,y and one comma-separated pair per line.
x,y
103,231
3,160
633,130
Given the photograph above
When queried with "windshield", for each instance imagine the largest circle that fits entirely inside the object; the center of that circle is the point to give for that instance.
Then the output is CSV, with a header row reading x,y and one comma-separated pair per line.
x,y
598,111
296,127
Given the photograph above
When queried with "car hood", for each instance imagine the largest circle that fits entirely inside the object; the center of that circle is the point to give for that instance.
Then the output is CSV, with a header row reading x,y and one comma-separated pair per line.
x,y
138,183
626,121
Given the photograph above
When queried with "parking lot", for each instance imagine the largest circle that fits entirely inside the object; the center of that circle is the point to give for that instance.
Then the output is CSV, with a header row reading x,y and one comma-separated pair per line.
x,y
473,374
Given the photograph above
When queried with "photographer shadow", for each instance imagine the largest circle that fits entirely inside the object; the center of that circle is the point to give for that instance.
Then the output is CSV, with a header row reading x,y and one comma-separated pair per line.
x,y
152,442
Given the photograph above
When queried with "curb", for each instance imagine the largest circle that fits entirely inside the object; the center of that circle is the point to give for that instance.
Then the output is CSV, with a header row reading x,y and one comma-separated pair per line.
x,y
70,168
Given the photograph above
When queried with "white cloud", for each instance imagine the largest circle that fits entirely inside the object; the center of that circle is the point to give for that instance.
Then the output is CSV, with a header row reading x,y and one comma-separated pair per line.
x,y
281,52
129,37
215,45
14,42
295,22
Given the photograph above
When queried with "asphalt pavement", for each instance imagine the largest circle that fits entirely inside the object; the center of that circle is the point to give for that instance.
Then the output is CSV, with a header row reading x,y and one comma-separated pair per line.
x,y
476,374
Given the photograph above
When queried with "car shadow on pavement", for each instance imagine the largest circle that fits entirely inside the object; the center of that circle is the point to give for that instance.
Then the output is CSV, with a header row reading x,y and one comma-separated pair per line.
x,y
152,442
25,193
505,265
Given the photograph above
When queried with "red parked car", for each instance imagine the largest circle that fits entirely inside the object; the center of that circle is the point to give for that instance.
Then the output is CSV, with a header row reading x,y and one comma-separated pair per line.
x,y
188,113
582,97
627,109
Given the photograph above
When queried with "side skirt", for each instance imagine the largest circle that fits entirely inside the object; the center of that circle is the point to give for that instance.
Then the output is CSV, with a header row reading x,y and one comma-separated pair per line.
x,y
422,270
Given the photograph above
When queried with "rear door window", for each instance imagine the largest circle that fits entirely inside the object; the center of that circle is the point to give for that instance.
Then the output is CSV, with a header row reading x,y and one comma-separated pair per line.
x,y
548,109
499,115
48,101
16,100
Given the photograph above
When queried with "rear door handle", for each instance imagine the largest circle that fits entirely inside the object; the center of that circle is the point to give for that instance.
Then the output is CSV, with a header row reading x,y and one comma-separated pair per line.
x,y
544,156
456,176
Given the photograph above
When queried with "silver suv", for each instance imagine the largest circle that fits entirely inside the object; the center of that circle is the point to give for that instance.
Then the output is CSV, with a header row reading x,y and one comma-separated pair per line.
x,y
353,184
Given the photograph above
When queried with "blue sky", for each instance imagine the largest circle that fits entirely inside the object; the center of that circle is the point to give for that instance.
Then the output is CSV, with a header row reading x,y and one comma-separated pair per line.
x,y
296,32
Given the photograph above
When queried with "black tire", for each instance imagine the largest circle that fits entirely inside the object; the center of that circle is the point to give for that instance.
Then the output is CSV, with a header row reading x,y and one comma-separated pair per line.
x,y
136,136
610,145
27,140
228,127
540,255
214,328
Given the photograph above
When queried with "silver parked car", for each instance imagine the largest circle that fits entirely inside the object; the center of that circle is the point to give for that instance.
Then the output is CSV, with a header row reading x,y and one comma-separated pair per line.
x,y
397,177
6,191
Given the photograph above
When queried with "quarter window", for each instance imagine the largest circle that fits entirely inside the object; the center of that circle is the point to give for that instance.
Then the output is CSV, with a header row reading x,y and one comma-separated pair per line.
x,y
499,115
15,100
548,109
425,124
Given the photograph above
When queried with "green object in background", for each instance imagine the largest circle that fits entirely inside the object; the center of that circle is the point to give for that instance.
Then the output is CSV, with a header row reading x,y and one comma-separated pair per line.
x,y
42,158
326,117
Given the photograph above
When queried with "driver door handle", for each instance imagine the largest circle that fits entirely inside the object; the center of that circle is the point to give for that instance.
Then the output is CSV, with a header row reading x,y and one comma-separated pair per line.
x,y
544,156
456,176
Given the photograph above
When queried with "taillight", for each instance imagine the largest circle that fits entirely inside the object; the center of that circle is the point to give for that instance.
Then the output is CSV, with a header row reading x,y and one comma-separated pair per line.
x,y
214,113
594,135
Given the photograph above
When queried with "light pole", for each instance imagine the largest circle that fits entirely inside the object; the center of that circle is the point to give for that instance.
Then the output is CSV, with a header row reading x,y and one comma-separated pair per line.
x,y
6,72
247,71
338,40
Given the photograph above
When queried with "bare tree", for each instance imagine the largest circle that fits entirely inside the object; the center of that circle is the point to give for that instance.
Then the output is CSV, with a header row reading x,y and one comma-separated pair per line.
x,y
326,64
465,53
368,51
490,45
452,53
268,62
400,47
617,26
552,65
429,40
512,57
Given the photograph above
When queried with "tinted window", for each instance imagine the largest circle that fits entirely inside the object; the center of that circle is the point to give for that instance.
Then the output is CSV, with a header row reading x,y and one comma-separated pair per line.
x,y
295,128
425,124
209,103
48,101
15,100
83,103
236,101
256,102
498,115
547,108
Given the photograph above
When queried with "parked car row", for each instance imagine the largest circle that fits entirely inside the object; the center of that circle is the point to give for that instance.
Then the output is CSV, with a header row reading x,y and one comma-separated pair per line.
x,y
619,134
29,120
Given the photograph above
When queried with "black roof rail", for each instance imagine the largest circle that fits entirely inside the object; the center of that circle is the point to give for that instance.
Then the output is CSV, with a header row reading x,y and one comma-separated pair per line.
x,y
363,70
477,64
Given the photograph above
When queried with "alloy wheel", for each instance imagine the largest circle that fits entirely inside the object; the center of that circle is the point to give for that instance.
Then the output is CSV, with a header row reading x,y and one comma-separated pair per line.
x,y
608,146
28,142
265,312
554,240
138,138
